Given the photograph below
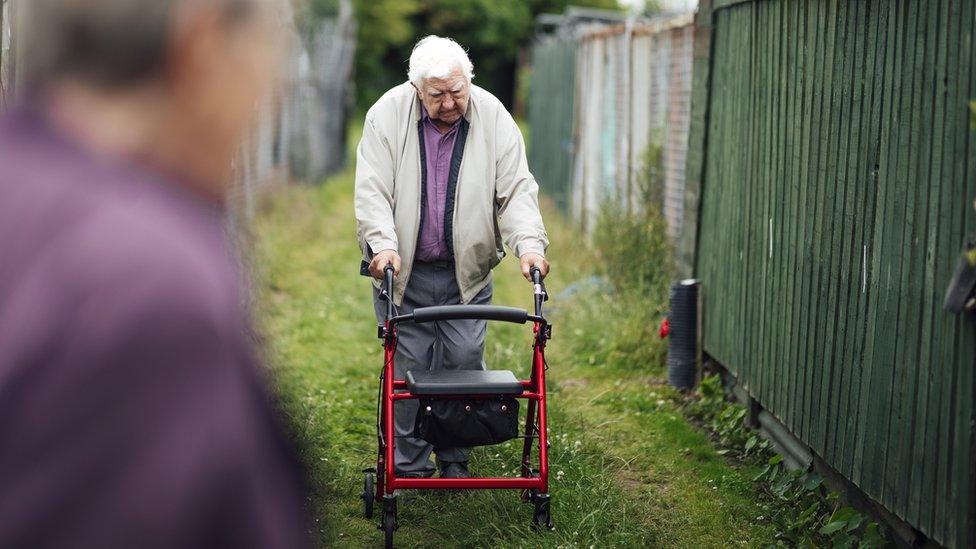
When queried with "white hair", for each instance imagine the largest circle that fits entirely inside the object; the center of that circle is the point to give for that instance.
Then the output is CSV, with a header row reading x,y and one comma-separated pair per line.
x,y
437,57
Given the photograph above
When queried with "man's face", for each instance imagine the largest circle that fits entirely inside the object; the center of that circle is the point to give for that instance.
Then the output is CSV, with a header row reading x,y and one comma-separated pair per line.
x,y
446,99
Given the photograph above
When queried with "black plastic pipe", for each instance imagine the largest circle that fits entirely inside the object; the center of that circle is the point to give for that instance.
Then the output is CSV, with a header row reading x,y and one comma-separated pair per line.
x,y
683,337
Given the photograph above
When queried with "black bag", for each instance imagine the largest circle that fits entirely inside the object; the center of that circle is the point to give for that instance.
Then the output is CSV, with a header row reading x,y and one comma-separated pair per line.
x,y
449,423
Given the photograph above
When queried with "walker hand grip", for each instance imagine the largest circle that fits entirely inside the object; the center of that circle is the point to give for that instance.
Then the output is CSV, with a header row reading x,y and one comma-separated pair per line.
x,y
387,293
539,292
469,312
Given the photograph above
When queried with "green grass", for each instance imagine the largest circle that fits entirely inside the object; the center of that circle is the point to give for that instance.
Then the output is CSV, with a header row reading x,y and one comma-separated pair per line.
x,y
627,469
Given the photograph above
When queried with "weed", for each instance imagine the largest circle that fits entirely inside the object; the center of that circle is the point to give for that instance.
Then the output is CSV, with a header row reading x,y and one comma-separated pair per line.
x,y
804,511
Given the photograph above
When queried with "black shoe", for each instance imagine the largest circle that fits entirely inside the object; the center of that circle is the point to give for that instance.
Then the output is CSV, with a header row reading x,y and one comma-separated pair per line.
x,y
455,469
415,474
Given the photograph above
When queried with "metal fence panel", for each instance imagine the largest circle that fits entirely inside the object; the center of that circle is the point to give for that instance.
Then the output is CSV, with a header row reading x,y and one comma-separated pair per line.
x,y
552,108
678,64
629,81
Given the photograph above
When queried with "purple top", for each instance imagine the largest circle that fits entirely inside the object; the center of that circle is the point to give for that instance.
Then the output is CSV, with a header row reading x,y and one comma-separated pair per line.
x,y
132,410
438,149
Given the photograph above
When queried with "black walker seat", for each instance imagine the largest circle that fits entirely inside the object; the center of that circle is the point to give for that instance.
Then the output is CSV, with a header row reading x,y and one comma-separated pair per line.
x,y
463,382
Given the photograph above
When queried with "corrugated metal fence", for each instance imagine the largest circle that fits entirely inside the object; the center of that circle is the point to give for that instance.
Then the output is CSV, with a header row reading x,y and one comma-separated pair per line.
x,y
630,86
836,157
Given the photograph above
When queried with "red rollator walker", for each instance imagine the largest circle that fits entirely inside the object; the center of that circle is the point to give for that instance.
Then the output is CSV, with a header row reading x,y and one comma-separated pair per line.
x,y
462,408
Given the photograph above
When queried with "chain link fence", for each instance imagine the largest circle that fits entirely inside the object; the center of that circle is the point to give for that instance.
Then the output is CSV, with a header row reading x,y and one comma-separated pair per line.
x,y
602,94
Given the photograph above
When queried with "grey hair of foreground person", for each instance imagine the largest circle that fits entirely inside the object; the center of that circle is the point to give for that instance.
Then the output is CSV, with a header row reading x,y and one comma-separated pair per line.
x,y
106,43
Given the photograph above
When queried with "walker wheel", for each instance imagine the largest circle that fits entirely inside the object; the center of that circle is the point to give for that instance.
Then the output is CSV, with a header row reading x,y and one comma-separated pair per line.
x,y
389,524
541,516
369,493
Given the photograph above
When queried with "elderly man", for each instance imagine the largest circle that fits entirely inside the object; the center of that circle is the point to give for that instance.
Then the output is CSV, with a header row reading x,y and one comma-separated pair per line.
x,y
133,411
441,183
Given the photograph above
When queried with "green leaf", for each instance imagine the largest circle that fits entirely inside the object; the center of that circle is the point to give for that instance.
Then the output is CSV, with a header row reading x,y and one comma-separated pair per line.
x,y
779,487
809,512
776,460
832,527
751,443
812,482
855,522
843,514
762,474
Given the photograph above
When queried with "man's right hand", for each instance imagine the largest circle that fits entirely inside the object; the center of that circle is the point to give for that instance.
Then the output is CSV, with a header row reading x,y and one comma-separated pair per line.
x,y
381,260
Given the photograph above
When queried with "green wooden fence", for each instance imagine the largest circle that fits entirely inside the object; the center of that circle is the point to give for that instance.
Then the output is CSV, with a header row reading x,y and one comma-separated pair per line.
x,y
836,164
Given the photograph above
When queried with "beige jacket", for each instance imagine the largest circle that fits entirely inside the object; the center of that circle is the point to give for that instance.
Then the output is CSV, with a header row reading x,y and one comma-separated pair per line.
x,y
496,198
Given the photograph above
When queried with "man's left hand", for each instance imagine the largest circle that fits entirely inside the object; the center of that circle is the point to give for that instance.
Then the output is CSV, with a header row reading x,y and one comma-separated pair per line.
x,y
530,260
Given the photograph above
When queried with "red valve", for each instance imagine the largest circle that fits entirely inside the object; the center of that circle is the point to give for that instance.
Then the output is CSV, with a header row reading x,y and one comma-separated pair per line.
x,y
665,329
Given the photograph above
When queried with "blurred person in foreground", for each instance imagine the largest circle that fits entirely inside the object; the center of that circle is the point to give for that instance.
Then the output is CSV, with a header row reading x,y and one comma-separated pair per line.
x,y
442,184
133,412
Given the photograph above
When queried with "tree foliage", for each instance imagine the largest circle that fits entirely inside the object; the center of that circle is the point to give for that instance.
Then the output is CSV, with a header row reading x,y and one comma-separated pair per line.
x,y
492,31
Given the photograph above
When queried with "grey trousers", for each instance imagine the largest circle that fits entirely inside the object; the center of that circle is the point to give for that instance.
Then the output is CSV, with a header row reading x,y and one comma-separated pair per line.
x,y
452,345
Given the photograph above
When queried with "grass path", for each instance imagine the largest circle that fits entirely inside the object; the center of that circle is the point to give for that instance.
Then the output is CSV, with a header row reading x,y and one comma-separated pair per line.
x,y
627,469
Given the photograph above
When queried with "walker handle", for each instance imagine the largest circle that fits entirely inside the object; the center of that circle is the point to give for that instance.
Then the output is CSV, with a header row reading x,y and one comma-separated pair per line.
x,y
536,274
387,292
462,312
539,289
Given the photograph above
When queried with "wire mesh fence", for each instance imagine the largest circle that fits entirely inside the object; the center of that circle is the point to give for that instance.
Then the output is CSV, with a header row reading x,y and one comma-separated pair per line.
x,y
601,95
551,106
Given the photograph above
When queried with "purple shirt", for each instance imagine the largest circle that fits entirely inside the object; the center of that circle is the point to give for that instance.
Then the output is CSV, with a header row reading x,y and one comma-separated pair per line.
x,y
132,410
438,150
